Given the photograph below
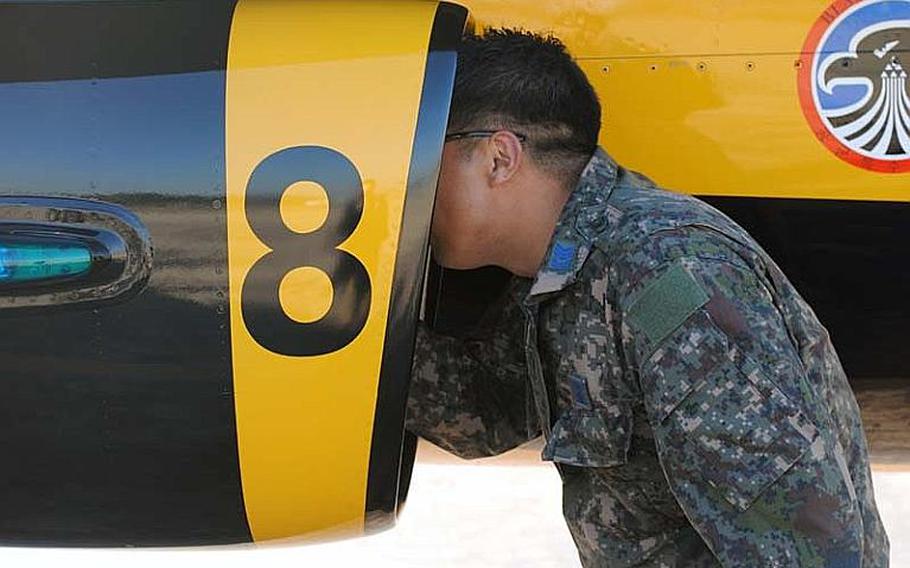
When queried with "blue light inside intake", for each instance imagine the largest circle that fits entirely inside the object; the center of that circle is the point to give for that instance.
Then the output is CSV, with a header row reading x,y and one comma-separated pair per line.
x,y
29,262
5,271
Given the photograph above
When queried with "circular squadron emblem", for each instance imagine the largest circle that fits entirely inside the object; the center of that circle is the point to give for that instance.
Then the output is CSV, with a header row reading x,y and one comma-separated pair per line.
x,y
853,82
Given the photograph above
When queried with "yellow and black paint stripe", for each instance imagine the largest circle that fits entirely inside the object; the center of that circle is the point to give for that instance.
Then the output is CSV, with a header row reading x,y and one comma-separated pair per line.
x,y
322,308
222,405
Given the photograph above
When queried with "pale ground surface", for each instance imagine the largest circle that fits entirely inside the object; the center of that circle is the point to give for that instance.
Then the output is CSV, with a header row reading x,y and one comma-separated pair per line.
x,y
503,513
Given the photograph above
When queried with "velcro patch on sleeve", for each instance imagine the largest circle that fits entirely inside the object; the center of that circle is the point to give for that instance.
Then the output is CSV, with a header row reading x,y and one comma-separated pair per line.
x,y
666,303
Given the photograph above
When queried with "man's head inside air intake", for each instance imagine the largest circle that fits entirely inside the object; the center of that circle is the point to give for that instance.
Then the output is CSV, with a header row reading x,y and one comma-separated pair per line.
x,y
524,122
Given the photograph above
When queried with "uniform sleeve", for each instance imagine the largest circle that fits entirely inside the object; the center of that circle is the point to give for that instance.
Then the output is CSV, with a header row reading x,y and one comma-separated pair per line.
x,y
744,442
471,397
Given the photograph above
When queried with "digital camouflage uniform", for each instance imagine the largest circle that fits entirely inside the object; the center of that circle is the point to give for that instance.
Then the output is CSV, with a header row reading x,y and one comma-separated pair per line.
x,y
693,404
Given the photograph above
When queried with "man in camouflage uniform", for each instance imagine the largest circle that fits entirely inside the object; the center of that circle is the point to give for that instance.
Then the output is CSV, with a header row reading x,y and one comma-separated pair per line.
x,y
693,404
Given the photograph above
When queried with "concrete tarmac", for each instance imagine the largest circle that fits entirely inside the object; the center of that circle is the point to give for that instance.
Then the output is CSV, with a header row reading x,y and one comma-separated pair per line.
x,y
885,405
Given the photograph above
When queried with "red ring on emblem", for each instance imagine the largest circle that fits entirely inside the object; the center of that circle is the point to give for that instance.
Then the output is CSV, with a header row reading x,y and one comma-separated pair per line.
x,y
807,100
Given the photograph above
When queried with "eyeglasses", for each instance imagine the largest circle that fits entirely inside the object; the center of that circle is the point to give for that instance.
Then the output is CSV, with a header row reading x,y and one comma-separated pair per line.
x,y
481,134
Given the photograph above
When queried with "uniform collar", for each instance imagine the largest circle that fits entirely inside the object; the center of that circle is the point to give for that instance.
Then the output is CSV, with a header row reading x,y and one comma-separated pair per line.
x,y
584,217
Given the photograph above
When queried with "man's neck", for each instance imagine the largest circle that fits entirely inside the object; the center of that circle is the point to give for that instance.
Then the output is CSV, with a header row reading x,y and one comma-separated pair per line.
x,y
528,231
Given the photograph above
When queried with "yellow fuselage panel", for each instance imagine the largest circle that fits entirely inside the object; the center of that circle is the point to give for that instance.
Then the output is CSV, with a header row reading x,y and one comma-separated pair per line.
x,y
702,96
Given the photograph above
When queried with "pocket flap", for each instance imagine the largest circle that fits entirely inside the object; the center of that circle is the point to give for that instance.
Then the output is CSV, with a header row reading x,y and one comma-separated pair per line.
x,y
591,437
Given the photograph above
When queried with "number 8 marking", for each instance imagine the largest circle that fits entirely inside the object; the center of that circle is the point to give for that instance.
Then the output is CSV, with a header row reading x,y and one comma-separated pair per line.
x,y
265,319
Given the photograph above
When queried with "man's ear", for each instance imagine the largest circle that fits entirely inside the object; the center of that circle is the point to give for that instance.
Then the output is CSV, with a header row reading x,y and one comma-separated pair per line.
x,y
507,154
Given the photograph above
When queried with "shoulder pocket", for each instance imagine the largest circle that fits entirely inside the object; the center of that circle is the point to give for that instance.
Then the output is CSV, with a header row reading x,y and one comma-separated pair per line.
x,y
717,415
596,437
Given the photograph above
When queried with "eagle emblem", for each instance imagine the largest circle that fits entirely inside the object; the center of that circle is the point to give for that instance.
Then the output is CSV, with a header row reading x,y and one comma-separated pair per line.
x,y
853,82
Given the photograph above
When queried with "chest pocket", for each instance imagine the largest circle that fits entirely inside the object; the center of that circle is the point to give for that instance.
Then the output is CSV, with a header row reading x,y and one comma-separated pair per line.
x,y
591,437
718,416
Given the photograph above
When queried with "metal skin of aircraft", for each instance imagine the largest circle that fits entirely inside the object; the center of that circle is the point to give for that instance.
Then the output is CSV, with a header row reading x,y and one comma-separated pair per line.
x,y
214,217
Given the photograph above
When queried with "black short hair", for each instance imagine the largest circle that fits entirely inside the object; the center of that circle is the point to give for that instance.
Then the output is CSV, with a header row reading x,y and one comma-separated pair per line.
x,y
519,80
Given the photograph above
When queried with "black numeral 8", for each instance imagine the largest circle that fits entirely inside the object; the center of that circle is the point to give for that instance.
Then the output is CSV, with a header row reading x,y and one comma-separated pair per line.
x,y
265,319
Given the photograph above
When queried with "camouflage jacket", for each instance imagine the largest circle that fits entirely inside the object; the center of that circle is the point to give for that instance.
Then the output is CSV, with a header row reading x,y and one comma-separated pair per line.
x,y
693,404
